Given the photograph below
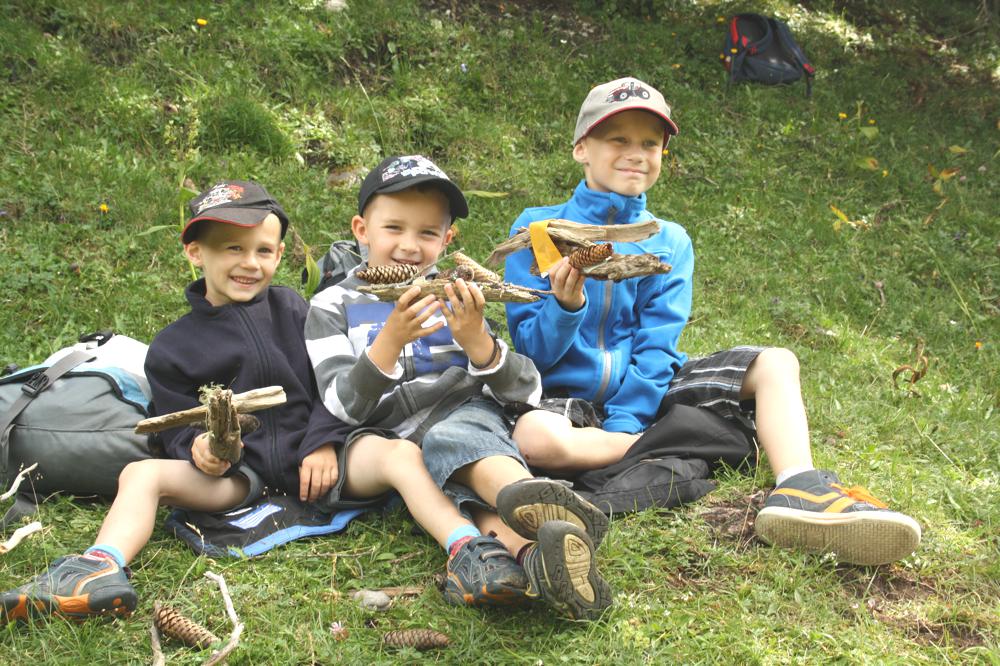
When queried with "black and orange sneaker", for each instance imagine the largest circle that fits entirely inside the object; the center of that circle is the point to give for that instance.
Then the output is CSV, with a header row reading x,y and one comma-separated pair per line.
x,y
527,504
482,573
812,511
562,571
74,587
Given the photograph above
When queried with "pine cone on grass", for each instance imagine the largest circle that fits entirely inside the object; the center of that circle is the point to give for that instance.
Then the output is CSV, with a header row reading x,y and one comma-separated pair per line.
x,y
420,639
388,274
588,256
171,623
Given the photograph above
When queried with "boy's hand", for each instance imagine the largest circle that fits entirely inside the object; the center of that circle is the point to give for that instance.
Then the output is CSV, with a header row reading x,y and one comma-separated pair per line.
x,y
404,325
203,459
464,314
567,283
318,473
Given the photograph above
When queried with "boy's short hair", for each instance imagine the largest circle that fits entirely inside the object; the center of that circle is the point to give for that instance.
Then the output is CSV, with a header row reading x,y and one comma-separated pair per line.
x,y
619,95
243,203
400,172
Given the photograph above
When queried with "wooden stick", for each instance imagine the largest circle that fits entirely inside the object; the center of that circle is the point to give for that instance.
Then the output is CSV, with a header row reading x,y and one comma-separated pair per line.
x,y
251,401
624,266
496,292
17,482
154,641
18,535
234,638
577,234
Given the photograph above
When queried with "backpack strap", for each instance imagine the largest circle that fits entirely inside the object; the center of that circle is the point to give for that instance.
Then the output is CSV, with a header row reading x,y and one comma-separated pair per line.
x,y
742,44
30,389
785,37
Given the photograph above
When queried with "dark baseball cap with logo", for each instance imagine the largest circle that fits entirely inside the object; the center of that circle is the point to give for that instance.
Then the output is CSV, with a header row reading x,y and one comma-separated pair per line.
x,y
243,203
401,172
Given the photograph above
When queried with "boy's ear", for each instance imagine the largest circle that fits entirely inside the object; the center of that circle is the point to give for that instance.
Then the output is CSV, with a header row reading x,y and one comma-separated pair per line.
x,y
193,252
449,235
580,151
280,253
359,229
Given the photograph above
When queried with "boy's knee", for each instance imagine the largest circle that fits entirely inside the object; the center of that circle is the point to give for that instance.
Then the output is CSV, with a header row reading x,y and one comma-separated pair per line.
x,y
141,473
778,361
541,436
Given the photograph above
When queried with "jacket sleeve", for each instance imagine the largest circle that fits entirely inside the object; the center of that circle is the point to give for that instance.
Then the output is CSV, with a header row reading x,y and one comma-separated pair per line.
x,y
172,391
514,379
324,428
663,306
542,330
350,386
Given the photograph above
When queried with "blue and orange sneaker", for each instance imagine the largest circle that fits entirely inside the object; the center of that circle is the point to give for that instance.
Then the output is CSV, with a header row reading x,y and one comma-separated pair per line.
x,y
75,587
812,511
562,571
527,504
482,573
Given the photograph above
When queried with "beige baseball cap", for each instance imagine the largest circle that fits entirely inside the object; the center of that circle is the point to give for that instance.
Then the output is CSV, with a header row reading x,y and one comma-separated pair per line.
x,y
620,95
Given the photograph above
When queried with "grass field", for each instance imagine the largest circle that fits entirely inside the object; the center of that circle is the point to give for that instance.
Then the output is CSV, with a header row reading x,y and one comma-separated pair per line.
x,y
854,227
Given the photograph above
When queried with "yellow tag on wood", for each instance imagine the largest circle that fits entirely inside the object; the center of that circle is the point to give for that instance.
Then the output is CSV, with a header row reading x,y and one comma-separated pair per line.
x,y
546,252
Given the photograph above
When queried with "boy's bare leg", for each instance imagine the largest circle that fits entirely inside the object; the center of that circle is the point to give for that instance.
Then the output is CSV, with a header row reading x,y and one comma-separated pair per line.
x,y
548,440
489,521
143,486
376,465
782,429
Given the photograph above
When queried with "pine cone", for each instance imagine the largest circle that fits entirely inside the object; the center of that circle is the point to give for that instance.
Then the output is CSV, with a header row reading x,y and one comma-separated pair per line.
x,y
467,273
421,639
169,621
479,273
588,256
388,274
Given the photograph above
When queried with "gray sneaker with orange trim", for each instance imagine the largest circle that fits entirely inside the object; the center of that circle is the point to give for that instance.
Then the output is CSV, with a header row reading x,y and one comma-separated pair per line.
x,y
75,587
812,511
562,571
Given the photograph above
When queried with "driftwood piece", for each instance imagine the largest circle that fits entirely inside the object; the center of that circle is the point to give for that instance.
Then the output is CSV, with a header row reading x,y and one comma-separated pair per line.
x,y
222,424
19,534
251,401
220,655
16,483
624,266
576,234
502,292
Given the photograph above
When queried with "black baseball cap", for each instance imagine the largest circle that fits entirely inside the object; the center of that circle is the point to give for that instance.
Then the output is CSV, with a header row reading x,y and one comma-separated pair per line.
x,y
400,172
240,202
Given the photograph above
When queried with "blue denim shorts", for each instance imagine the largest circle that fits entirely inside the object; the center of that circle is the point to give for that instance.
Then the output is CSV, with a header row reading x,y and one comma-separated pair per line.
x,y
475,430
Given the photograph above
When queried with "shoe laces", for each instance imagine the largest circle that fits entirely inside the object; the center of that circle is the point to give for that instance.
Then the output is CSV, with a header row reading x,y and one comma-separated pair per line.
x,y
861,494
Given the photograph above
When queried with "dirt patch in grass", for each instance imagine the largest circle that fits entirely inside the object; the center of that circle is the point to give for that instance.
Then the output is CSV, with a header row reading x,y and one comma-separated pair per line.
x,y
733,519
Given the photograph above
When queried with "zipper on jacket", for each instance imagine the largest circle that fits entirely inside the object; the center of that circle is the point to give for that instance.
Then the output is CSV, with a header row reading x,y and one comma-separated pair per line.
x,y
265,374
601,338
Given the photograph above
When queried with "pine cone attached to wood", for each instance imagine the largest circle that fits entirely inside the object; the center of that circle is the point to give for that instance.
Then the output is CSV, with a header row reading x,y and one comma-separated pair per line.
x,y
479,274
588,256
421,639
171,623
388,274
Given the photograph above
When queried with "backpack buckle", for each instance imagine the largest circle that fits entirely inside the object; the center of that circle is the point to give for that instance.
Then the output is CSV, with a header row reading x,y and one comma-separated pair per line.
x,y
38,383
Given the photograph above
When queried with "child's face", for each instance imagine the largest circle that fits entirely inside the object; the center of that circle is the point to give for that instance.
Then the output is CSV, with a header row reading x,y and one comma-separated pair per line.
x,y
407,227
623,153
238,262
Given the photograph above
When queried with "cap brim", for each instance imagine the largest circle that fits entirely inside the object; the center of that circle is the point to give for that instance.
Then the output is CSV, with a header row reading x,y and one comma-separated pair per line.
x,y
456,200
240,217
672,129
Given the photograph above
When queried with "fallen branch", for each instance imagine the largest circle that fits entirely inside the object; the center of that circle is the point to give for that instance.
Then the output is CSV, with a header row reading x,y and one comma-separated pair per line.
x,y
234,638
624,266
17,481
19,534
579,235
492,292
154,641
251,401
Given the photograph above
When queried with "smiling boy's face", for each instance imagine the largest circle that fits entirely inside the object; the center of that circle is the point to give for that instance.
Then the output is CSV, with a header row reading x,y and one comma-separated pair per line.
x,y
238,262
410,227
623,154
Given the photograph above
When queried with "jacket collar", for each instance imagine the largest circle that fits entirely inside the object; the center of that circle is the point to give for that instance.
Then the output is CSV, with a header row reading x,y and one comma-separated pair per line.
x,y
195,294
597,205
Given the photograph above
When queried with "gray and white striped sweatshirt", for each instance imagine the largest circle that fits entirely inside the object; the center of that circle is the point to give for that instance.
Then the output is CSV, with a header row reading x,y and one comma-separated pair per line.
x,y
431,372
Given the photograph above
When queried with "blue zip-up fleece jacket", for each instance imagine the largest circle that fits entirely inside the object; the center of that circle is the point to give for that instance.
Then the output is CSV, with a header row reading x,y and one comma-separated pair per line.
x,y
620,349
245,346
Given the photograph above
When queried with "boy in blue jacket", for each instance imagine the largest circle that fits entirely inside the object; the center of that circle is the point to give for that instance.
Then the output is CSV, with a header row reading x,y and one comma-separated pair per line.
x,y
244,334
615,344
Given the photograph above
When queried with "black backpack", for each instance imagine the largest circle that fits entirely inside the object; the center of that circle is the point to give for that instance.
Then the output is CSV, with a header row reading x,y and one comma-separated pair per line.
x,y
762,49
334,266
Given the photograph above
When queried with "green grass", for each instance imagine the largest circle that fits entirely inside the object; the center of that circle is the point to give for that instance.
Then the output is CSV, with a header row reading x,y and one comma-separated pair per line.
x,y
119,103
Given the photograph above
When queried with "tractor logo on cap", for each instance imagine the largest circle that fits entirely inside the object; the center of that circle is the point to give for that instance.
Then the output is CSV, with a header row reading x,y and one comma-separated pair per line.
x,y
623,92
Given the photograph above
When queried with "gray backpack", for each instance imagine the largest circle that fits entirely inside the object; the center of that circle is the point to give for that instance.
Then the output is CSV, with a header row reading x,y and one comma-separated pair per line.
x,y
74,415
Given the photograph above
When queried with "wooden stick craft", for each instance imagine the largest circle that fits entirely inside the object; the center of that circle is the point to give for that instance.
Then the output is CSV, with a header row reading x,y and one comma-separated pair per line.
x,y
244,403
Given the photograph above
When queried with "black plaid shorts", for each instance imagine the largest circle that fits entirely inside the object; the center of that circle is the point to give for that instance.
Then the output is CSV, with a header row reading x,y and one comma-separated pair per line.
x,y
713,382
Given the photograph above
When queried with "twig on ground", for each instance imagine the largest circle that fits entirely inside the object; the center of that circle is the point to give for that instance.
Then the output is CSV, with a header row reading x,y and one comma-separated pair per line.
x,y
18,535
234,638
17,481
154,641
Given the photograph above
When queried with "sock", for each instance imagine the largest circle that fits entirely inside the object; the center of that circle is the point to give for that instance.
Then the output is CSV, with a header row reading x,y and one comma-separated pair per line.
x,y
789,473
522,552
107,552
459,536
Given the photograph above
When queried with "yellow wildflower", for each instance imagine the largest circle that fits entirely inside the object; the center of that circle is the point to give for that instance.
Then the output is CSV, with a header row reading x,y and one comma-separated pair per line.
x,y
842,115
979,344
202,22
871,121
666,151
885,173
103,207
676,65
720,19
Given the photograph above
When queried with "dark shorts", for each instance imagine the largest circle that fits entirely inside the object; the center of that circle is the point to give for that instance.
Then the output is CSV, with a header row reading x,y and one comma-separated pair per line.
x,y
713,382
